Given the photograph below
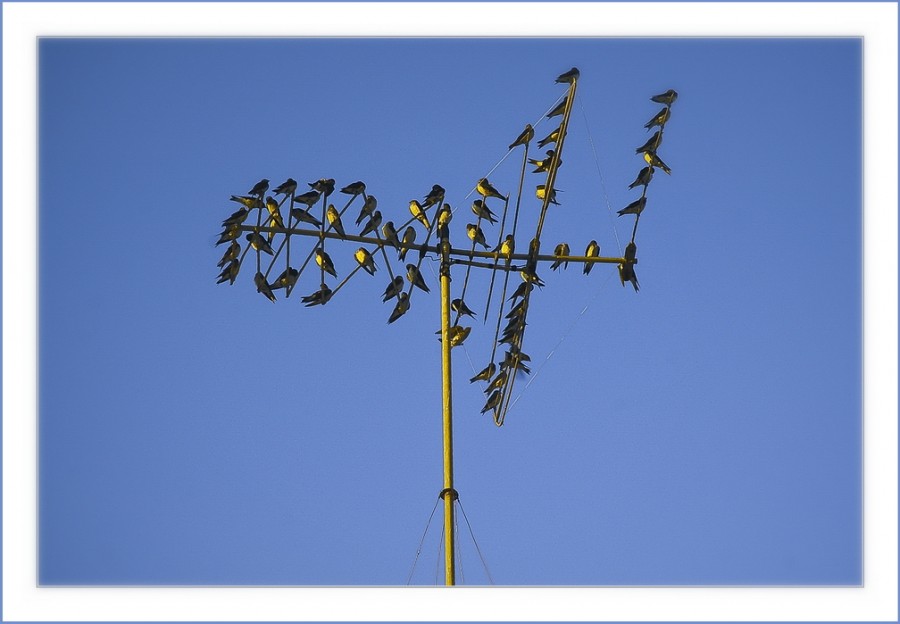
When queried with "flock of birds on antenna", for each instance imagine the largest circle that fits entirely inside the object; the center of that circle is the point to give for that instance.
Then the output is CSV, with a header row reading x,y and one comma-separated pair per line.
x,y
329,224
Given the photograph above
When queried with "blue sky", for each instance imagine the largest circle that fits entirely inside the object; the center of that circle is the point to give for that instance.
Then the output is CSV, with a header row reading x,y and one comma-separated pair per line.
x,y
706,430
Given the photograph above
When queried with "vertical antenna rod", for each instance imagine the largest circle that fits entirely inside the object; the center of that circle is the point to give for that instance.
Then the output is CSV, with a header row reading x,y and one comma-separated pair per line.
x,y
448,493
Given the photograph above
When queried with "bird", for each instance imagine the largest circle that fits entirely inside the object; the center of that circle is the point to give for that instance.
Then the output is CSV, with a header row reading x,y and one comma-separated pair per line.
x,y
230,272
260,188
481,210
666,98
530,277
458,335
390,234
652,143
514,359
233,251
524,138
409,236
236,218
656,161
636,207
394,288
310,198
659,119
561,250
553,137
416,209
401,307
592,251
365,260
434,196
476,235
443,220
320,297
540,194
354,189
415,277
497,383
544,165
569,76
643,178
507,247
559,109
230,233
493,402
324,261
523,289
324,186
275,219
367,209
485,189
248,202
286,188
259,243
486,373
334,218
626,269
372,225
263,286
459,306
517,310
303,216
287,279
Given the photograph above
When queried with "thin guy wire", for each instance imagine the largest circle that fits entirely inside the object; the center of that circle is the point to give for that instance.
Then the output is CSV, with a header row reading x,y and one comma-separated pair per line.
x,y
421,541
475,541
602,182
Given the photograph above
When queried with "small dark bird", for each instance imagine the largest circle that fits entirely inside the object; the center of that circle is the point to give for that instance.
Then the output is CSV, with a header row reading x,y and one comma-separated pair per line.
x,y
476,235
626,269
570,76
320,297
236,218
559,109
530,277
539,192
334,218
435,196
523,289
656,161
652,143
286,188
493,402
324,185
287,279
365,260
498,382
659,119
401,307
485,189
309,198
390,234
508,247
324,261
259,243
275,219
636,207
592,251
553,137
643,178
409,237
373,223
260,188
263,286
457,335
543,165
416,209
480,209
233,251
303,216
665,98
524,138
354,189
248,202
485,374
230,233
394,288
443,220
415,277
367,209
230,272
561,250
459,306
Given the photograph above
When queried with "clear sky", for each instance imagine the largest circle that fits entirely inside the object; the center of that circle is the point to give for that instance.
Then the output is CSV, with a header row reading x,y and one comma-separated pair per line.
x,y
705,430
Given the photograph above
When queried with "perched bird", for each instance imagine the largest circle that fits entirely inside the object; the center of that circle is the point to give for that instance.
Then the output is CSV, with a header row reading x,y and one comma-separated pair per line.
x,y
458,334
286,188
401,307
415,277
652,143
260,188
561,250
524,138
553,137
324,185
418,212
236,218
493,402
656,161
485,189
443,220
665,98
481,210
523,289
287,279
324,261
459,306
259,243
354,189
263,286
643,177
248,202
233,251
310,198
540,193
303,216
390,234
659,119
476,235
365,260
367,209
498,382
544,165
635,207
626,269
530,277
592,251
372,225
486,373
275,219
230,233
435,196
570,76
320,297
517,310
559,109
514,359
507,247
409,237
230,272
334,218
394,288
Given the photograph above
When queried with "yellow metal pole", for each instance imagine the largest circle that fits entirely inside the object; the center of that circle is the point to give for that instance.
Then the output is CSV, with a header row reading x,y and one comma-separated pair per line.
x,y
448,493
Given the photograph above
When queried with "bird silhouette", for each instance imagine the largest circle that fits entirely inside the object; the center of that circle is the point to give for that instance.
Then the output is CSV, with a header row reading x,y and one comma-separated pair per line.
x,y
394,288
652,143
561,250
643,177
544,164
507,247
230,272
626,269
434,196
373,223
263,286
665,98
248,202
334,218
230,233
303,216
233,251
354,189
656,161
287,279
569,76
540,194
320,297
636,207
474,232
493,402
260,188
415,277
459,306
485,374
524,138
309,198
259,243
365,260
559,109
480,209
416,209
368,208
553,137
286,188
324,261
485,189
659,119
400,308
324,186
409,237
390,234
592,251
